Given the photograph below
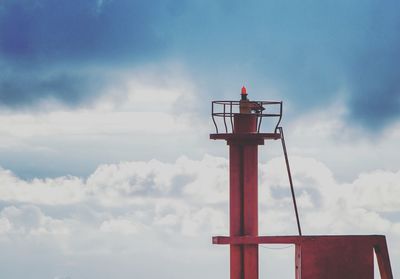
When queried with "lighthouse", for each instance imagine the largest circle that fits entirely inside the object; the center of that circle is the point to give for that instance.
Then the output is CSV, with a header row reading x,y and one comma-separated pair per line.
x,y
239,123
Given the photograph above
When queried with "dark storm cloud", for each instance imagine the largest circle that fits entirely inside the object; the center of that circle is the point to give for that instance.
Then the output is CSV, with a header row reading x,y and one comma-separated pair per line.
x,y
309,51
37,36
46,29
21,90
374,77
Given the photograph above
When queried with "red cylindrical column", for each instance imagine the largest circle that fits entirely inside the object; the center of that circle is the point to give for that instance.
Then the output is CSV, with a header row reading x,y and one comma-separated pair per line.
x,y
244,197
236,209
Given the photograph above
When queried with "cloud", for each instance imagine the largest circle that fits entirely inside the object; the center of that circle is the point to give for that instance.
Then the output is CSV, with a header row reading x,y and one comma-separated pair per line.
x,y
40,31
201,182
122,117
62,190
45,47
123,207
123,226
327,135
308,54
29,220
376,191
20,89
137,211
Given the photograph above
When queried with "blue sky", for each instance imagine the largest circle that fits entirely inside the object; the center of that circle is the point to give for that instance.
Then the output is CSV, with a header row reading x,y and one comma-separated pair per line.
x,y
104,126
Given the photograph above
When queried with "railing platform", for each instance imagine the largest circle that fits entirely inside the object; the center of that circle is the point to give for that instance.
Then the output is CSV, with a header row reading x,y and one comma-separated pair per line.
x,y
249,136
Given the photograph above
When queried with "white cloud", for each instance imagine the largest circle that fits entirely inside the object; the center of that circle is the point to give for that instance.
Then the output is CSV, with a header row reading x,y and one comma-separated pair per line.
x,y
164,193
346,149
127,208
57,191
378,191
153,106
121,225
28,220
5,225
134,104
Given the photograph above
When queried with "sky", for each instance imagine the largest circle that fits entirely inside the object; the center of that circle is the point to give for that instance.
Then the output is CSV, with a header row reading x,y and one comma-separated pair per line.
x,y
106,167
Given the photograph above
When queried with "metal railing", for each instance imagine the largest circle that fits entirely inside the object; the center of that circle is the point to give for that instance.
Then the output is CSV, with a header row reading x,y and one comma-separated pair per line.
x,y
227,109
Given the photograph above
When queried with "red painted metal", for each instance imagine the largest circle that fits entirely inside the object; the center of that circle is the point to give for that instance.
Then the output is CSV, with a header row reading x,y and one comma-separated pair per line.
x,y
244,197
316,257
290,179
328,257
336,257
226,110
382,256
243,144
259,137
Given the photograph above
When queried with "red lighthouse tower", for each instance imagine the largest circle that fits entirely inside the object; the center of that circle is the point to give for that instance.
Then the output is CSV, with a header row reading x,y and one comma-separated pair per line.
x,y
316,257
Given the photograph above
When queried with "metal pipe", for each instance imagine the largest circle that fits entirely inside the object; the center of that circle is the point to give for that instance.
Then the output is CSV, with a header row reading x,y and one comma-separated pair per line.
x,y
290,179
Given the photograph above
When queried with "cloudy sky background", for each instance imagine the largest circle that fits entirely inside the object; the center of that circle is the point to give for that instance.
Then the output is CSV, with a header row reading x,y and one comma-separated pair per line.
x,y
106,167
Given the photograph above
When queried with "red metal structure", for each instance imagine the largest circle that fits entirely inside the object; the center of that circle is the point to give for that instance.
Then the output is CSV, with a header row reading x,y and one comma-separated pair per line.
x,y
316,257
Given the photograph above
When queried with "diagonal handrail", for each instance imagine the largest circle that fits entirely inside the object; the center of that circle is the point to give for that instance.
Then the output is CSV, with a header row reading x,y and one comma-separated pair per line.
x,y
290,179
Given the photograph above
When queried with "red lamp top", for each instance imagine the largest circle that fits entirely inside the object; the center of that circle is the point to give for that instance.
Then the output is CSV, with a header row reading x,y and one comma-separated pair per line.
x,y
244,91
